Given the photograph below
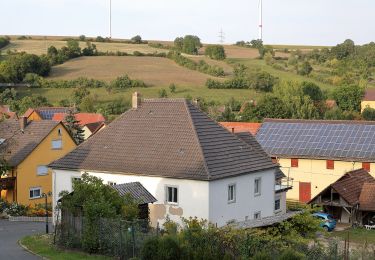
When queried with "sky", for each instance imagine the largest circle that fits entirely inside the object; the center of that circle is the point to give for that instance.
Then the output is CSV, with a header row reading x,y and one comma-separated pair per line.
x,y
308,22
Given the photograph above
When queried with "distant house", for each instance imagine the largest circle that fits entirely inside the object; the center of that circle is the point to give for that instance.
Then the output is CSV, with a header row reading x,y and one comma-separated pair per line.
x,y
6,113
238,127
316,153
351,199
187,161
368,100
28,147
93,121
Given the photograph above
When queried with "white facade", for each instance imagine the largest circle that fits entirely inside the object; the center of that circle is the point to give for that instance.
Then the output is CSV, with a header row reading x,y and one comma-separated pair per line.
x,y
202,199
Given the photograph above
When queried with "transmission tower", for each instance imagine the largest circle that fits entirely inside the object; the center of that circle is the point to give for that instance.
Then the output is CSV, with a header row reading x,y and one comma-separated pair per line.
x,y
221,36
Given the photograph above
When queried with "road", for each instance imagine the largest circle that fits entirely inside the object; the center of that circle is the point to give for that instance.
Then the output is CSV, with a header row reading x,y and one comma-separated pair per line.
x,y
11,232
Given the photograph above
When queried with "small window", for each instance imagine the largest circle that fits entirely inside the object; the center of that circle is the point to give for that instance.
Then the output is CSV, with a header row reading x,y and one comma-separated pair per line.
x,y
35,193
277,204
171,194
294,163
59,132
330,164
257,215
257,186
111,183
366,166
42,170
231,193
56,144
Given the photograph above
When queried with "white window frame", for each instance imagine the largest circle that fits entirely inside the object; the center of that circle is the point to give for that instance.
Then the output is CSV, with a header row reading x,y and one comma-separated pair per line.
x,y
39,173
55,147
33,189
233,199
259,191
278,198
259,214
167,194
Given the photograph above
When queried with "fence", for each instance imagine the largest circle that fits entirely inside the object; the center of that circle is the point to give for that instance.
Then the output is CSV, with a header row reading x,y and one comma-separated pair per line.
x,y
113,237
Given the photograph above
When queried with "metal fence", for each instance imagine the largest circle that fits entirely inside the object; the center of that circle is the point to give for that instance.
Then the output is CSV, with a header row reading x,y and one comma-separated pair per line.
x,y
112,237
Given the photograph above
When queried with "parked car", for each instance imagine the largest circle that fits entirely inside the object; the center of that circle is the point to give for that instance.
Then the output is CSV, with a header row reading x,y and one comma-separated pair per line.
x,y
327,221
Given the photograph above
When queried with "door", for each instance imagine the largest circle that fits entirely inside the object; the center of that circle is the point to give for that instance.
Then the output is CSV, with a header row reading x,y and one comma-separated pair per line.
x,y
305,191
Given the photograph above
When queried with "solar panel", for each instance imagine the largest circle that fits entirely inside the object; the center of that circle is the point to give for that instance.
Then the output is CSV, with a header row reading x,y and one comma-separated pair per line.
x,y
317,139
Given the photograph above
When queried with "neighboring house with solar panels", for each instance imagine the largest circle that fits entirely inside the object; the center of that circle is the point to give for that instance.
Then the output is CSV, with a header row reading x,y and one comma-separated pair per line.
x,y
316,153
188,162
368,100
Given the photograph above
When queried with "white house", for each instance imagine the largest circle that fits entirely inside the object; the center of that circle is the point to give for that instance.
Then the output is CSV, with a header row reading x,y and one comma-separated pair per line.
x,y
193,166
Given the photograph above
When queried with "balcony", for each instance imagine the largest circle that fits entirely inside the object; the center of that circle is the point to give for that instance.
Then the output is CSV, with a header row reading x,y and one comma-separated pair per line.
x,y
284,184
7,183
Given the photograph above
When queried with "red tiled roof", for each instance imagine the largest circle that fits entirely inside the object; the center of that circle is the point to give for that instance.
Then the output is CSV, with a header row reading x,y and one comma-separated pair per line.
x,y
83,118
28,112
367,197
239,127
369,95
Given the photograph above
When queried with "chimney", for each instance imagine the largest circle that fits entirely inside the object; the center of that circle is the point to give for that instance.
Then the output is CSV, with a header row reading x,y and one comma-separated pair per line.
x,y
23,123
136,100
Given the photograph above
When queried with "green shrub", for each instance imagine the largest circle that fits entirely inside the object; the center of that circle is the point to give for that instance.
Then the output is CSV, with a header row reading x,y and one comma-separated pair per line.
x,y
124,82
168,249
291,254
163,93
215,52
4,42
150,249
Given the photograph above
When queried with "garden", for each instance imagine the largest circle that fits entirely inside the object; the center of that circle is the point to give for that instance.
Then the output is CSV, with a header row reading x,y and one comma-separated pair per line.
x,y
15,209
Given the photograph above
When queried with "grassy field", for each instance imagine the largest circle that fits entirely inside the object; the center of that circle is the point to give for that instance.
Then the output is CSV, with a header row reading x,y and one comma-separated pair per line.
x,y
41,245
154,71
356,235
40,46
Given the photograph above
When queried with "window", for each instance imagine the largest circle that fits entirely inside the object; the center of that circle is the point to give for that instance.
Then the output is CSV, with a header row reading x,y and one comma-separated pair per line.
x,y
42,170
56,144
366,166
111,183
172,194
257,215
231,193
35,193
330,164
59,132
294,163
257,186
277,204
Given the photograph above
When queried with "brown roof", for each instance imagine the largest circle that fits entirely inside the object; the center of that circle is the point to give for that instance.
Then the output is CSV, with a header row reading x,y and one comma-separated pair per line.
x,y
136,190
367,197
20,144
47,113
169,138
82,118
93,127
238,127
369,95
350,186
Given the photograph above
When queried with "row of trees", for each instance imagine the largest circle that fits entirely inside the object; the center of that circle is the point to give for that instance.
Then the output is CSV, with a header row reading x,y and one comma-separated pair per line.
x,y
189,44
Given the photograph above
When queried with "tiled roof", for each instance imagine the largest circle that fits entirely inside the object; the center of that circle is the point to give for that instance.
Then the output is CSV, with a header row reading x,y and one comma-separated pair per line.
x,y
83,118
20,144
136,190
168,138
238,127
93,127
47,113
318,139
367,197
369,95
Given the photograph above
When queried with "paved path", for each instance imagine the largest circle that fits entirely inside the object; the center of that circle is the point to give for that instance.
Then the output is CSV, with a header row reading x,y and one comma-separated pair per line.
x,y
11,232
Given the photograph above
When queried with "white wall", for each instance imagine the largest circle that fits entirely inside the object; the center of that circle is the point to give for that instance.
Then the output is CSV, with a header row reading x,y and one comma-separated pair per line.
x,y
246,202
193,199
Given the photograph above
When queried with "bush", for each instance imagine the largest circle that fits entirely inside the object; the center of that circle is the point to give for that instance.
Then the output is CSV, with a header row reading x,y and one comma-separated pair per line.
x,y
215,52
137,39
305,69
4,42
190,44
124,82
368,114
172,88
163,93
150,249
15,210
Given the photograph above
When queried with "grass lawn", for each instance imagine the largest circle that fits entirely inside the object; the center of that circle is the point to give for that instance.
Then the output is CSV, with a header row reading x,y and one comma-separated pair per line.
x,y
356,235
41,245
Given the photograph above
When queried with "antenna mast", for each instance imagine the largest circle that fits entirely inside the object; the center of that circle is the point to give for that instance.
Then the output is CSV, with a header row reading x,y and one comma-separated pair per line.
x,y
110,19
260,36
221,36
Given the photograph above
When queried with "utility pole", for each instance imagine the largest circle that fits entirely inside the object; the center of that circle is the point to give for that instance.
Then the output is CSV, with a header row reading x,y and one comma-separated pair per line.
x,y
221,36
260,36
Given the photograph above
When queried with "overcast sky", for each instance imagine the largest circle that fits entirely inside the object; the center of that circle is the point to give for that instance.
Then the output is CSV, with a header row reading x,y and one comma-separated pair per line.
x,y
313,22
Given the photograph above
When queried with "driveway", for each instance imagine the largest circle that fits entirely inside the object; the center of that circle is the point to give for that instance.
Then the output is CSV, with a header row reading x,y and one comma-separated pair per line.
x,y
11,232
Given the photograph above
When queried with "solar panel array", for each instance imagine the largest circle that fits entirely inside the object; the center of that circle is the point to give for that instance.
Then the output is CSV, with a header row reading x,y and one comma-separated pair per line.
x,y
47,113
318,140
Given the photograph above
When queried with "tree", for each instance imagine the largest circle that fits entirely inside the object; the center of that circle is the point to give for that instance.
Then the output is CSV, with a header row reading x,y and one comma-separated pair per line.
x,y
348,97
87,104
74,128
23,104
172,88
73,49
179,43
82,38
272,107
305,69
263,81
343,50
191,44
79,93
215,52
312,90
163,93
137,39
368,114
